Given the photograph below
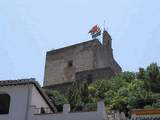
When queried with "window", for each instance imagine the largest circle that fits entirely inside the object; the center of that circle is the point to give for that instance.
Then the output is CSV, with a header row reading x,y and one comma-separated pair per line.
x,y
4,103
70,63
42,110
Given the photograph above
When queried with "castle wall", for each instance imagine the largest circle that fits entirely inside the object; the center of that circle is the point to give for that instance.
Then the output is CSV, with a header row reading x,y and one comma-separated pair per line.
x,y
104,55
62,64
90,76
58,71
62,88
104,58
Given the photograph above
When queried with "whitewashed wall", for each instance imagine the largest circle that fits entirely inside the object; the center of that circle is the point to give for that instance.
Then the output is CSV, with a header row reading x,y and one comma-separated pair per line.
x,y
71,116
18,104
23,97
100,114
4,117
37,100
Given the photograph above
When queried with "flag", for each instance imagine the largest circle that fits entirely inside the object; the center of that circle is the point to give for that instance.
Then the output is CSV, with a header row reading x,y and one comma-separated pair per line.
x,y
95,31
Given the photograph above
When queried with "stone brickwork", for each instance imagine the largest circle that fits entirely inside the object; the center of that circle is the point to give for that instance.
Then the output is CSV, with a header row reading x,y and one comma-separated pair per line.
x,y
58,70
87,76
62,65
90,76
62,88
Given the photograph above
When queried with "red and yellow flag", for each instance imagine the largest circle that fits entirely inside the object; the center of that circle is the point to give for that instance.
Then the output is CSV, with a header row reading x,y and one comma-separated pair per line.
x,y
95,31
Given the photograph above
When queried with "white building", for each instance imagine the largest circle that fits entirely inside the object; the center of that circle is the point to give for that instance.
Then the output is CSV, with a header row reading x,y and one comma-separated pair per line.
x,y
24,100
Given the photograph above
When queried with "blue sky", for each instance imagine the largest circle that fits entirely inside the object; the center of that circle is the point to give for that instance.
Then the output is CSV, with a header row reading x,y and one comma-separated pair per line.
x,y
29,28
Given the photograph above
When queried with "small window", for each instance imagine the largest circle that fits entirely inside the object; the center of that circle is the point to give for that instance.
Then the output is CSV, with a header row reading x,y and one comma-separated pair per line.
x,y
4,103
70,63
42,110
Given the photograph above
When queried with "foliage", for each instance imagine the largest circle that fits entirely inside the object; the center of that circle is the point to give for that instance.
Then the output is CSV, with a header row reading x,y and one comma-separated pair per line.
x,y
57,99
80,98
151,77
125,91
75,99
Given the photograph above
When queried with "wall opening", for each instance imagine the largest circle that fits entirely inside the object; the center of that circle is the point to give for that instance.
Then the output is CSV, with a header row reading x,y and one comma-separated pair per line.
x,y
4,103
70,63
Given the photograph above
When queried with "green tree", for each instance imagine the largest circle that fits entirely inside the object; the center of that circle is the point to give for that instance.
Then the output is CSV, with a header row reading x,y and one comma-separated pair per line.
x,y
125,91
74,98
153,77
57,99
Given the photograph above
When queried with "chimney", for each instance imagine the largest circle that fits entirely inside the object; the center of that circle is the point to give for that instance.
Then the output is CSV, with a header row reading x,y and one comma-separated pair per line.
x,y
107,40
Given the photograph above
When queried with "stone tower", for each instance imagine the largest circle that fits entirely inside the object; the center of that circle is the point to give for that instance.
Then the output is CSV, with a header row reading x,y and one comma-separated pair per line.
x,y
83,62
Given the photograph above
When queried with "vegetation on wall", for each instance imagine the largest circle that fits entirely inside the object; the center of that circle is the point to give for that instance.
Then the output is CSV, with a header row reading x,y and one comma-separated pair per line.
x,y
125,91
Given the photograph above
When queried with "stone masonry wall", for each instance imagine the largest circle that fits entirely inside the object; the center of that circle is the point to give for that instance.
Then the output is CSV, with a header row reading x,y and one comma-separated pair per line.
x,y
104,55
63,64
57,70
90,76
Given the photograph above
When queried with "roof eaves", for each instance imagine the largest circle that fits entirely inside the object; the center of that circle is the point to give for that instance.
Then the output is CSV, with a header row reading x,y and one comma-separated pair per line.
x,y
29,81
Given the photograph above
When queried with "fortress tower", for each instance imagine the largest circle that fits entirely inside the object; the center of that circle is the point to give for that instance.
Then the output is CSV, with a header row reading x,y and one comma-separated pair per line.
x,y
83,62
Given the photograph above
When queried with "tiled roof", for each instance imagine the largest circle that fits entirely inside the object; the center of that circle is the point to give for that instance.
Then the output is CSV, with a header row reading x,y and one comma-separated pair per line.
x,y
18,82
29,81
154,111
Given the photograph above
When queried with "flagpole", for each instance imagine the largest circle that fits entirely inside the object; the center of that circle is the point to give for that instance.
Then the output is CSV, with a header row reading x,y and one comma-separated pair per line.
x,y
104,24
